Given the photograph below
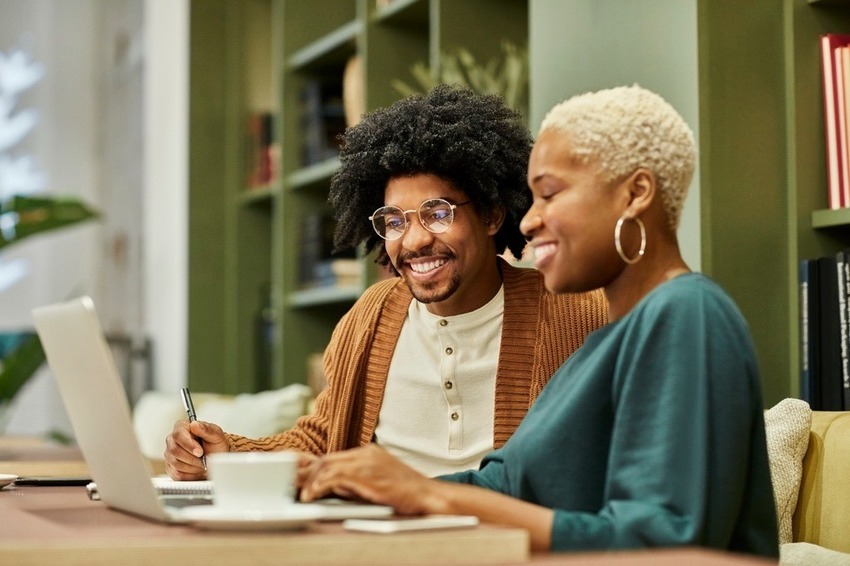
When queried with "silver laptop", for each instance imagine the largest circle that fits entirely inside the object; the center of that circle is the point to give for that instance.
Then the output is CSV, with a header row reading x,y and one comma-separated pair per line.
x,y
91,388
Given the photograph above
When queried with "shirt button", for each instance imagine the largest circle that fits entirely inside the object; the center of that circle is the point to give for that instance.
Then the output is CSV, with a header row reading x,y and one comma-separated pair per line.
x,y
455,416
444,322
449,385
449,351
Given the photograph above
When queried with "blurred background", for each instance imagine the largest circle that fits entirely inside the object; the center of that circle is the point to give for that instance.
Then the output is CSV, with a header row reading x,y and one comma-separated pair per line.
x,y
103,119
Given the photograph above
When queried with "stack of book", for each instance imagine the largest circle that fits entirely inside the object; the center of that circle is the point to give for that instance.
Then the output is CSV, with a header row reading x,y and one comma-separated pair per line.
x,y
262,151
825,332
835,65
319,266
338,272
322,119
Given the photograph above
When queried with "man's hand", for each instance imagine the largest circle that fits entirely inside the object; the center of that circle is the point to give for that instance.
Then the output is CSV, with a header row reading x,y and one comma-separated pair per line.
x,y
183,451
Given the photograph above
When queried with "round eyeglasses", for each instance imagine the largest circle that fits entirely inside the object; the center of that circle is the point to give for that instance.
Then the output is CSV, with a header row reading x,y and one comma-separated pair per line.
x,y
436,215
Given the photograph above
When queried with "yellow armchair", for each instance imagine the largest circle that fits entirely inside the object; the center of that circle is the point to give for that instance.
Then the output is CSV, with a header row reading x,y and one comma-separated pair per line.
x,y
822,515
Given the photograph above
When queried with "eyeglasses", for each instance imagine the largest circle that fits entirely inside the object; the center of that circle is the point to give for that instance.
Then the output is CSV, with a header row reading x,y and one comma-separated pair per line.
x,y
436,215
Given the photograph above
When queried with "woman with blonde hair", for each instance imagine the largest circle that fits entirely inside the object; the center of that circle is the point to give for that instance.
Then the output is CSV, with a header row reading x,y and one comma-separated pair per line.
x,y
652,433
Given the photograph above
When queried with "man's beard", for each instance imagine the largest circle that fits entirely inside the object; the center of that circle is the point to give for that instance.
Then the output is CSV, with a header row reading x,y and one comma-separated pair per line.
x,y
429,292
433,292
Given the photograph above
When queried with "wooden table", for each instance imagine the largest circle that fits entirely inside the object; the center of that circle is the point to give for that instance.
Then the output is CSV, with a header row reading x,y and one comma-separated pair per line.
x,y
61,526
25,456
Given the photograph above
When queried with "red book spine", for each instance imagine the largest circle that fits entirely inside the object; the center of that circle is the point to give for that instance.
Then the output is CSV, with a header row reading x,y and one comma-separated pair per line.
x,y
838,174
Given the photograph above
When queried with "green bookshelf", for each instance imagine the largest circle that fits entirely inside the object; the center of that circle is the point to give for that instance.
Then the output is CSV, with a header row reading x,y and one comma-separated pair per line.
x,y
245,245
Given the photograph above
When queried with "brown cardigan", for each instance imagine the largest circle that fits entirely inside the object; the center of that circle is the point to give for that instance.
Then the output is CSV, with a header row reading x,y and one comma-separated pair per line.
x,y
539,331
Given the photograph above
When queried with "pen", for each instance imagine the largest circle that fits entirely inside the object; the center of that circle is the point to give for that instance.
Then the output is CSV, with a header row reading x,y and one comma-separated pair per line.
x,y
190,412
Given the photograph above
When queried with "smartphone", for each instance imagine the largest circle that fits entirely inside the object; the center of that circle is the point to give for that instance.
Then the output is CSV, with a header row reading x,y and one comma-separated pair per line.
x,y
52,480
401,524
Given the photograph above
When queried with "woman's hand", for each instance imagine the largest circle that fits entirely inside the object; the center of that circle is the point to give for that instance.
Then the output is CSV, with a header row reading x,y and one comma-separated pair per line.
x,y
371,474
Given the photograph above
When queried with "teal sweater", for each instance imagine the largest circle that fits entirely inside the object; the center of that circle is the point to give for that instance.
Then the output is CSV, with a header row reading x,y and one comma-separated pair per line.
x,y
651,434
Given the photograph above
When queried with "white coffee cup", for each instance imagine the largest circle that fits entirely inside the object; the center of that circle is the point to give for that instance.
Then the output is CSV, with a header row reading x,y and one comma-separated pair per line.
x,y
248,481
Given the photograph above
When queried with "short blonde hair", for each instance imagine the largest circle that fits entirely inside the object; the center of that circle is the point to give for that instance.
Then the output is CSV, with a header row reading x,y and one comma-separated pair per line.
x,y
624,128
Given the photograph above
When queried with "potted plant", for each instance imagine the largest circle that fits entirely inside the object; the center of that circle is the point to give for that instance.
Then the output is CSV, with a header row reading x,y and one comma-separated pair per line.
x,y
22,217
23,214
507,77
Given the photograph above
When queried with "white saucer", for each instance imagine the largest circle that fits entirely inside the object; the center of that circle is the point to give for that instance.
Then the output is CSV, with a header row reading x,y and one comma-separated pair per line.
x,y
6,479
212,517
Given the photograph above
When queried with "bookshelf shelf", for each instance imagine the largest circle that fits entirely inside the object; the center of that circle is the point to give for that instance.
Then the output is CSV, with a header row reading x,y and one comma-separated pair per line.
x,y
324,295
332,49
312,175
828,218
404,12
258,196
829,2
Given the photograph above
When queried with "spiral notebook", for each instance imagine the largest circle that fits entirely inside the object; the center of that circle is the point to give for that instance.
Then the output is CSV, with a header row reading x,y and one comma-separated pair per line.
x,y
167,487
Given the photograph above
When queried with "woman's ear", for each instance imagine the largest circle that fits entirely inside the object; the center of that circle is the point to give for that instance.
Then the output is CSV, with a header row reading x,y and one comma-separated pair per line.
x,y
642,191
494,220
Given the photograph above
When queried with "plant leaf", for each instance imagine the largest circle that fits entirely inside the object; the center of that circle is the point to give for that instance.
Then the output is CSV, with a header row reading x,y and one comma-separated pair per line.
x,y
506,76
403,88
24,216
19,365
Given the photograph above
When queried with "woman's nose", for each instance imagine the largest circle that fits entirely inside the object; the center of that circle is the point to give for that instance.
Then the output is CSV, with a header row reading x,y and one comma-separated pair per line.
x,y
530,222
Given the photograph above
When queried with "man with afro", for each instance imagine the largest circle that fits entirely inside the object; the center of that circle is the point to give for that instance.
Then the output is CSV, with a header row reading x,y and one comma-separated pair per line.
x,y
439,363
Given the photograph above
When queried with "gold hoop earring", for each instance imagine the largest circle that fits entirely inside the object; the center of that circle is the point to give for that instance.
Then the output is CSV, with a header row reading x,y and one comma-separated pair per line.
x,y
619,246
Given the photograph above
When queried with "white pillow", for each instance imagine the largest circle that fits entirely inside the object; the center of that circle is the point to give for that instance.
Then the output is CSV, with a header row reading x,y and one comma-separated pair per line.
x,y
254,415
156,412
787,425
259,414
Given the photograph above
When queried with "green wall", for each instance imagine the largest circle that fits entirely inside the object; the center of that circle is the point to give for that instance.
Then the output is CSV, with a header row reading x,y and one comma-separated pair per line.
x,y
580,45
724,66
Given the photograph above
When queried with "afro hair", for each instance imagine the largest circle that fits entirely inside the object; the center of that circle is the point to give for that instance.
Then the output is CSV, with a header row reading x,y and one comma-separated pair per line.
x,y
473,141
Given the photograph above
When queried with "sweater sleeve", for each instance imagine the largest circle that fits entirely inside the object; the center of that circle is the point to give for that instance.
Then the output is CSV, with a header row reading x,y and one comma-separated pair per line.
x,y
341,364
311,432
683,386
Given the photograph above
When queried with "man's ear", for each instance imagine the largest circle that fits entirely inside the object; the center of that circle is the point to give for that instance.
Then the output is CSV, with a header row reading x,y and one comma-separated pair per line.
x,y
494,220
642,191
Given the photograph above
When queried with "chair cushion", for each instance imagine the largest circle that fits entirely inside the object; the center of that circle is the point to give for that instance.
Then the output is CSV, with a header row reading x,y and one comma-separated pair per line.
x,y
787,427
823,507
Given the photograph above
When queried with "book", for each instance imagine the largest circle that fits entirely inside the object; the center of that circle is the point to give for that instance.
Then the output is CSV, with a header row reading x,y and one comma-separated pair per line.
x,y
836,153
845,385
261,159
829,379
843,63
838,73
313,247
842,259
809,329
319,264
322,119
338,272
